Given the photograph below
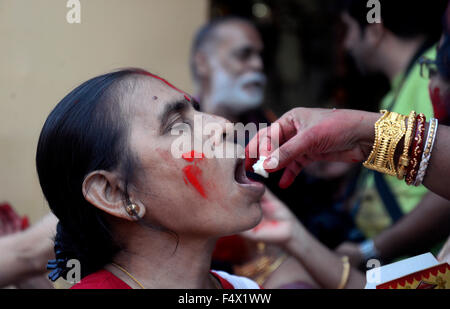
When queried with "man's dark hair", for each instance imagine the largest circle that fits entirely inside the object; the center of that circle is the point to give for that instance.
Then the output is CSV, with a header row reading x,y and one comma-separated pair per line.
x,y
404,18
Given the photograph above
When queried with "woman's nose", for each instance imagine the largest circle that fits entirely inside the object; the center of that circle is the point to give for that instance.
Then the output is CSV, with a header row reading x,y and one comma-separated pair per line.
x,y
225,129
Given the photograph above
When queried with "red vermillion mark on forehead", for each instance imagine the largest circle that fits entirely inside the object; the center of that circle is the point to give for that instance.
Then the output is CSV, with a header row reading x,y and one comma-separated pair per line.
x,y
168,84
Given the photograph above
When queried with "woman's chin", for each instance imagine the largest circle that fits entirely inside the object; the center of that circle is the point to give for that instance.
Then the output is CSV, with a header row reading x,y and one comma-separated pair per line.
x,y
255,217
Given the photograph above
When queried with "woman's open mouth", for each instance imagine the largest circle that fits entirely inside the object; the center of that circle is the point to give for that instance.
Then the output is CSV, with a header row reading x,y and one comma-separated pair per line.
x,y
244,182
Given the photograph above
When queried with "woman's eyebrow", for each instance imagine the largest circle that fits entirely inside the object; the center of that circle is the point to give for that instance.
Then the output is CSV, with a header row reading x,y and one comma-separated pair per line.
x,y
177,107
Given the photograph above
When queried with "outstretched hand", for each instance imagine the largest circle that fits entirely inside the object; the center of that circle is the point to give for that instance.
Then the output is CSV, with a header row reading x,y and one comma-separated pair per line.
x,y
10,221
304,135
277,225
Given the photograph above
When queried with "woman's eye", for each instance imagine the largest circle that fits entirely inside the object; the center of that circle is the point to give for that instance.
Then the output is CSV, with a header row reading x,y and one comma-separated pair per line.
x,y
180,124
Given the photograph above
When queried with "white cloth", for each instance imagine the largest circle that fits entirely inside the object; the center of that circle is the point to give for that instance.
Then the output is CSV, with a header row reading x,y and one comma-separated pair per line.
x,y
236,281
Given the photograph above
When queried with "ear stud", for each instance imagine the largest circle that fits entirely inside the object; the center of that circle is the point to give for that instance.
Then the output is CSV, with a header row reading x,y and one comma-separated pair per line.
x,y
132,210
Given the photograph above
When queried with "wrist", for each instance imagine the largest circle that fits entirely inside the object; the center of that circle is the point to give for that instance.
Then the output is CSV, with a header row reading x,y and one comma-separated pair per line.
x,y
298,240
368,250
365,130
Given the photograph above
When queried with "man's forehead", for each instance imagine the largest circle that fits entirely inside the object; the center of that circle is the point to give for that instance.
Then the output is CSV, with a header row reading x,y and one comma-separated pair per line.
x,y
238,33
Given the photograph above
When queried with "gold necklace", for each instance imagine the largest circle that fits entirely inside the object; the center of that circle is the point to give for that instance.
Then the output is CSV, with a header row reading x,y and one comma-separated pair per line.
x,y
216,284
128,274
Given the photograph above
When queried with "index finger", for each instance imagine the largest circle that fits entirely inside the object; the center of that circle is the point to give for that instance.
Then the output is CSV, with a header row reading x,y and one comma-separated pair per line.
x,y
252,149
267,140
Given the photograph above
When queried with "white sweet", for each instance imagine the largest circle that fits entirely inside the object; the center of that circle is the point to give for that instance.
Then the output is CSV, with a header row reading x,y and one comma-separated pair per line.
x,y
259,169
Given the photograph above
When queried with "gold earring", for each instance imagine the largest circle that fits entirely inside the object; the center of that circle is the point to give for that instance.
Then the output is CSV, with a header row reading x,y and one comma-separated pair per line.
x,y
132,209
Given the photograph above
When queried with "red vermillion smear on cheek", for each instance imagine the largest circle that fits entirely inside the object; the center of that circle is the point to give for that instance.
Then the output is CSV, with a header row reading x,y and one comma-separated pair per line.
x,y
168,84
193,173
191,156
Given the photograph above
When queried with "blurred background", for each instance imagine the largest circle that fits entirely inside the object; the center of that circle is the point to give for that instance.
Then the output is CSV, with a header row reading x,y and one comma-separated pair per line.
x,y
43,57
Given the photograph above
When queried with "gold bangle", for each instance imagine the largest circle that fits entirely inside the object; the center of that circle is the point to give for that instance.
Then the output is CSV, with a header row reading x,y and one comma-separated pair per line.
x,y
389,130
345,272
404,158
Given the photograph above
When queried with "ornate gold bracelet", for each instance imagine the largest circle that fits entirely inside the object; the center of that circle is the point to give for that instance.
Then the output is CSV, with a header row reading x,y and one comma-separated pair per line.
x,y
404,158
389,130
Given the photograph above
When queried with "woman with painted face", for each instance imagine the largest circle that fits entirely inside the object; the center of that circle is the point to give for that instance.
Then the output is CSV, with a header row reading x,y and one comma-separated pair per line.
x,y
133,214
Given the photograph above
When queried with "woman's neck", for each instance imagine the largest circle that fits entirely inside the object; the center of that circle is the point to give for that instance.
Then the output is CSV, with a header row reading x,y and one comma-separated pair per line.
x,y
155,261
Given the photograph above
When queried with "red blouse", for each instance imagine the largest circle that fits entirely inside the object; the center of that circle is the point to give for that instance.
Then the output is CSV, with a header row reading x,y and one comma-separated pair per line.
x,y
104,279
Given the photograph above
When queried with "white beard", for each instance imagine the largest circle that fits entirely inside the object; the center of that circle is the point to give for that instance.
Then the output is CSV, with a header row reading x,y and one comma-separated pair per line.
x,y
230,93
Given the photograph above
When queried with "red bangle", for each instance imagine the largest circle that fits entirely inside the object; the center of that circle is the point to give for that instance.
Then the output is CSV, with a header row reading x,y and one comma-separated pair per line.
x,y
416,150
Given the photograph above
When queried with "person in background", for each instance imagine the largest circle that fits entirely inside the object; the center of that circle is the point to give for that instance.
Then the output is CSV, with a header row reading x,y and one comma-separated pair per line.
x,y
227,70
410,230
350,138
393,47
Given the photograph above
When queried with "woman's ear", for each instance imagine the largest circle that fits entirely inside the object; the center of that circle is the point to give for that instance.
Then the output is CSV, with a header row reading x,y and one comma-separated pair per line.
x,y
105,191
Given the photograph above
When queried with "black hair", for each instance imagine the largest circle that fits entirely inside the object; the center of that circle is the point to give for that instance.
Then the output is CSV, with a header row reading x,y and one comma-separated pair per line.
x,y
206,34
404,18
86,131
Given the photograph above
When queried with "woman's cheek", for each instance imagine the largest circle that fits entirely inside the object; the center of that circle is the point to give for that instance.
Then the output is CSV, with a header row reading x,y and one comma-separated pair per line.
x,y
193,174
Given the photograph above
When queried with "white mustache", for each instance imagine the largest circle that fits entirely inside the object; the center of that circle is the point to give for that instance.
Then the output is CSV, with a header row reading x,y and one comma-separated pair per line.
x,y
252,77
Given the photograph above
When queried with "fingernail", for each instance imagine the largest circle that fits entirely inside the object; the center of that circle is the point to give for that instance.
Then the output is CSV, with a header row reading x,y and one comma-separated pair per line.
x,y
270,163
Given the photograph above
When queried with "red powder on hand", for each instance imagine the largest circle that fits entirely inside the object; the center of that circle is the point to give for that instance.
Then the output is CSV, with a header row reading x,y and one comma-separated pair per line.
x,y
265,224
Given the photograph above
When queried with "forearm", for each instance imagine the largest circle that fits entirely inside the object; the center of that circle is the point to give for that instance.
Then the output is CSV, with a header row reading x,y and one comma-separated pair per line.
x,y
26,253
322,264
437,177
424,226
